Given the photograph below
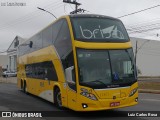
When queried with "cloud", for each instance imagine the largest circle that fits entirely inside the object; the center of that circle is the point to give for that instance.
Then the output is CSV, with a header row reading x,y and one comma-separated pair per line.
x,y
26,21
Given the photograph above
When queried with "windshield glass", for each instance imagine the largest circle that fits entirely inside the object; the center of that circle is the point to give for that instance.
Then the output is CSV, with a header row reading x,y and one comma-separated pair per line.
x,y
106,68
99,29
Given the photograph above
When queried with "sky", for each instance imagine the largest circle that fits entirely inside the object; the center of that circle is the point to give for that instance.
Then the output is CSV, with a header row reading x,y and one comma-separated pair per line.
x,y
27,20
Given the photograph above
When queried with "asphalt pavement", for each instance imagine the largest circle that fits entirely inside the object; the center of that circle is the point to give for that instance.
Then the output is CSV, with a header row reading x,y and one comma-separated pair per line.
x,y
12,99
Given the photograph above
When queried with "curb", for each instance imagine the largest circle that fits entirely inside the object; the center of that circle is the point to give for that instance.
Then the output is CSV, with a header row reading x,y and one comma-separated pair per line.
x,y
149,91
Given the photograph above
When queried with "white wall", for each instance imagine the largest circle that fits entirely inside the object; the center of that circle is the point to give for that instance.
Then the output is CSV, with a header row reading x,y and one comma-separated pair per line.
x,y
148,57
3,61
12,61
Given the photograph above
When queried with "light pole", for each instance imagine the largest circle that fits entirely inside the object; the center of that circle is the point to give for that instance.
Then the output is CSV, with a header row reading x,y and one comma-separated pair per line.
x,y
47,12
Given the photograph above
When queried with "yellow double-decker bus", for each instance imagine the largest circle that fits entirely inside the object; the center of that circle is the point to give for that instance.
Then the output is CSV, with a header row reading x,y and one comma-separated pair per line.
x,y
82,62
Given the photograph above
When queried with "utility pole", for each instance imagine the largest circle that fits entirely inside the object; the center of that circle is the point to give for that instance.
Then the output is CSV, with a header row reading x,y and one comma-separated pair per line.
x,y
76,6
136,52
137,49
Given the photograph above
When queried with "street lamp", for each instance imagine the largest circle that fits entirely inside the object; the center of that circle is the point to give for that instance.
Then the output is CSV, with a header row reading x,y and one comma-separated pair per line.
x,y
47,12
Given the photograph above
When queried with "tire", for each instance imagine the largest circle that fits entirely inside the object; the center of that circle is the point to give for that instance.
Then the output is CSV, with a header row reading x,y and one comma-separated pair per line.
x,y
25,88
57,98
21,85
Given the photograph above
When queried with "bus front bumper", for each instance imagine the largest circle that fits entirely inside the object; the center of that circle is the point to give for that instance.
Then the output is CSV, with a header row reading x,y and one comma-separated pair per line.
x,y
86,104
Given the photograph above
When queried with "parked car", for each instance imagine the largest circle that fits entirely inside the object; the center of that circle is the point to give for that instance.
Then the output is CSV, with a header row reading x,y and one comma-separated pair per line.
x,y
9,74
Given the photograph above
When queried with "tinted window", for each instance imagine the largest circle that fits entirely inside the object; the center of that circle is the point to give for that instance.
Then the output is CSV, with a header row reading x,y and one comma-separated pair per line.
x,y
63,42
68,61
47,36
43,70
106,68
37,42
24,49
99,29
56,28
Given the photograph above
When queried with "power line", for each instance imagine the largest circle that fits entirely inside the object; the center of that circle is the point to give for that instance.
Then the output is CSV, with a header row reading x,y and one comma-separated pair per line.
x,y
138,11
32,13
71,7
30,34
26,20
65,9
144,22
143,30
143,26
74,2
28,16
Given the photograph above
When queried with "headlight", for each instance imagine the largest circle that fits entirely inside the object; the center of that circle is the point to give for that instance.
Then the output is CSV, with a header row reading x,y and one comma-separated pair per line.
x,y
133,92
89,95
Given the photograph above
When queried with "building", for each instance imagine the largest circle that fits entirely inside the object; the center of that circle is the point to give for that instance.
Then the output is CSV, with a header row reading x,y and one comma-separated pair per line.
x,y
12,54
3,63
148,56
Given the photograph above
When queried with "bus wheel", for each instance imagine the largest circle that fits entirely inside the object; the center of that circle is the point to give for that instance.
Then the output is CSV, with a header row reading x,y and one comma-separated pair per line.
x,y
25,88
57,98
21,85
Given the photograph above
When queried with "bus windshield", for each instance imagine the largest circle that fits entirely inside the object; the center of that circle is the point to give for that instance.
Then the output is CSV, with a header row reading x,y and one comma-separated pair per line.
x,y
99,30
106,68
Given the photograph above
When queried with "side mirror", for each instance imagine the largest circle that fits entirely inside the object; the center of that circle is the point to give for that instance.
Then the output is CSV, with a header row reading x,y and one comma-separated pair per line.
x,y
30,44
70,75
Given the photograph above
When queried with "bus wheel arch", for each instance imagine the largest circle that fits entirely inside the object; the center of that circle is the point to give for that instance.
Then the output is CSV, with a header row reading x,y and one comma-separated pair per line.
x,y
57,97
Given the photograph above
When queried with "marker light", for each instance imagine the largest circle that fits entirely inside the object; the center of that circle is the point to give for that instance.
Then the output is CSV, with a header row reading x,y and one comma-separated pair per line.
x,y
84,105
133,92
136,99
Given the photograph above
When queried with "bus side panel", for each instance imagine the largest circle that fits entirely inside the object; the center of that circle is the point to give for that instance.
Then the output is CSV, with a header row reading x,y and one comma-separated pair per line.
x,y
43,88
21,71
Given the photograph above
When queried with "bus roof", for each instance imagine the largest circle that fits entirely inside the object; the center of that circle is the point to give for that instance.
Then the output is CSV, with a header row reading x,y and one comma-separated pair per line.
x,y
92,15
72,16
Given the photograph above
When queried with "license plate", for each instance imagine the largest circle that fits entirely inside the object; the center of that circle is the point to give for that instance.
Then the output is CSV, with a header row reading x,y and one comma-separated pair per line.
x,y
113,104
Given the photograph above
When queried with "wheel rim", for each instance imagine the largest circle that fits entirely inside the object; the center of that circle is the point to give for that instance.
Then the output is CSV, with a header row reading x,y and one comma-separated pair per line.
x,y
59,99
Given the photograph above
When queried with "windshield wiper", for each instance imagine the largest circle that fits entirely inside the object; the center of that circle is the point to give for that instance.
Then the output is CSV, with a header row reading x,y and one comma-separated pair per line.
x,y
98,80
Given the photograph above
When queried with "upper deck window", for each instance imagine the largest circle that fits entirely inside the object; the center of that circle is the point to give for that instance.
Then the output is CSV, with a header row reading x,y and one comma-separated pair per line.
x,y
99,30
